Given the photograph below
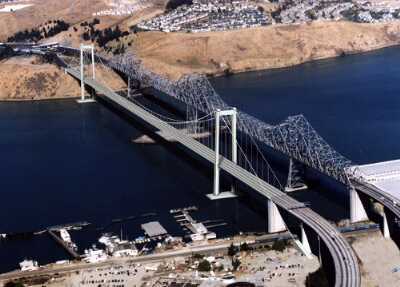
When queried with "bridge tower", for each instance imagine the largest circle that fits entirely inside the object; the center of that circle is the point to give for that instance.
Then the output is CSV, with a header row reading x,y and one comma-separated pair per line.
x,y
82,49
227,194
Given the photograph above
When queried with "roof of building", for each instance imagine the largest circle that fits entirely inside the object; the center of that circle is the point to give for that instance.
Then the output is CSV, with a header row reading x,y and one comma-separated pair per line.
x,y
154,228
124,246
384,175
381,168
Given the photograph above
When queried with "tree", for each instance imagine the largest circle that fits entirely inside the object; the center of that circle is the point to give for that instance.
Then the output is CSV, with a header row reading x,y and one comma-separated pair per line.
x,y
278,245
204,266
173,4
244,247
86,36
235,264
12,284
232,250
198,256
316,279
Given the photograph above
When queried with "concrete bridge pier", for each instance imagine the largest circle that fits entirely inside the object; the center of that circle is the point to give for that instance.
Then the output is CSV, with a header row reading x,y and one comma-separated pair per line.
x,y
304,240
275,220
357,208
388,224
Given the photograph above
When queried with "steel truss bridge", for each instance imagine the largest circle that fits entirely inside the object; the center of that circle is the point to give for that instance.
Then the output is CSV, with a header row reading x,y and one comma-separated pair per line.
x,y
294,137
347,272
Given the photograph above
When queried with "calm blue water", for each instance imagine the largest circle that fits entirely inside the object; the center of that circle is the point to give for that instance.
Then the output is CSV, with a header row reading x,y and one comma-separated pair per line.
x,y
64,162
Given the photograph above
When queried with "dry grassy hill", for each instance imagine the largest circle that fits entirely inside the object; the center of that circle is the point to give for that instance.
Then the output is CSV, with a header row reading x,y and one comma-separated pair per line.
x,y
260,48
45,10
29,78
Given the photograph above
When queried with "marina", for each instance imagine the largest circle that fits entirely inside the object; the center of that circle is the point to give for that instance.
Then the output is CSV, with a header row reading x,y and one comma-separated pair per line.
x,y
135,170
196,231
63,244
126,219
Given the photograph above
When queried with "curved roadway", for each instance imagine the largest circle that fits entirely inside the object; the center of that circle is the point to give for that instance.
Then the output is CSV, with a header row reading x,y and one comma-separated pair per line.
x,y
377,194
344,258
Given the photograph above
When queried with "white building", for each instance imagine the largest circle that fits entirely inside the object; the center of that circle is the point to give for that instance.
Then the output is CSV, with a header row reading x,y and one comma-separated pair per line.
x,y
126,249
28,265
384,175
94,256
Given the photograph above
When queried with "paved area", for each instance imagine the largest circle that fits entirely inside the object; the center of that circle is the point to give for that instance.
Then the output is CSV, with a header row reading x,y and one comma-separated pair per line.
x,y
379,257
265,268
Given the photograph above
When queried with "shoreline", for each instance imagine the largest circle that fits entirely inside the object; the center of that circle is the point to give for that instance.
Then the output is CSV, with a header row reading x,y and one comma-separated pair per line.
x,y
302,63
222,74
35,100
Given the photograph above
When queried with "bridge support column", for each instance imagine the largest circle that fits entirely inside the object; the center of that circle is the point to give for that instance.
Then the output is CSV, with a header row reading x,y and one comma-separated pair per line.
x,y
275,220
304,240
357,210
303,246
82,48
227,194
388,223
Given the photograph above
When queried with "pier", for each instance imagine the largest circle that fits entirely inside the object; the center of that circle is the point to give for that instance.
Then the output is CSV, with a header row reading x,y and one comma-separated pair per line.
x,y
69,226
126,219
58,239
179,210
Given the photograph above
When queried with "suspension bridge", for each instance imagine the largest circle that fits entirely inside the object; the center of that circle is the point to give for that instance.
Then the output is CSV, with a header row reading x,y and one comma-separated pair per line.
x,y
235,151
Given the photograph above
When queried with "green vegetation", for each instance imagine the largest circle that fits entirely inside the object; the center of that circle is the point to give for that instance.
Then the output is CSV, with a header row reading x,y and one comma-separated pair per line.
x,y
245,247
220,267
6,52
198,256
204,266
173,4
276,15
235,264
316,279
37,34
232,250
279,245
13,284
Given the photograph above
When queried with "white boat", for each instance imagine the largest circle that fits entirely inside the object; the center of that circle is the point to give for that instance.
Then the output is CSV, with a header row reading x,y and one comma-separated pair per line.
x,y
65,235
28,265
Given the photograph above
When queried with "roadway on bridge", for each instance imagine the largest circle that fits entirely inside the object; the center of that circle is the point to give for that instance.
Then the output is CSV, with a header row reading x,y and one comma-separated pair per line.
x,y
344,258
378,195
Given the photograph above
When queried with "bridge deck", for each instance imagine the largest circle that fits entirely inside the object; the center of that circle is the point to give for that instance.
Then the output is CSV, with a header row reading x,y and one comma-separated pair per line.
x,y
344,258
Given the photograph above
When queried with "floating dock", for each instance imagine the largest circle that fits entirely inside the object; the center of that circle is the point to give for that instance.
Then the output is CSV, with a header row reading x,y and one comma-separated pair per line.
x,y
58,239
181,210
126,219
69,226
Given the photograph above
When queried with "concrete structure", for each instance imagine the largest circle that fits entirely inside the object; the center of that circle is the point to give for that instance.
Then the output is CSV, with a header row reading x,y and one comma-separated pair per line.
x,y
218,114
275,221
125,249
82,49
379,182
